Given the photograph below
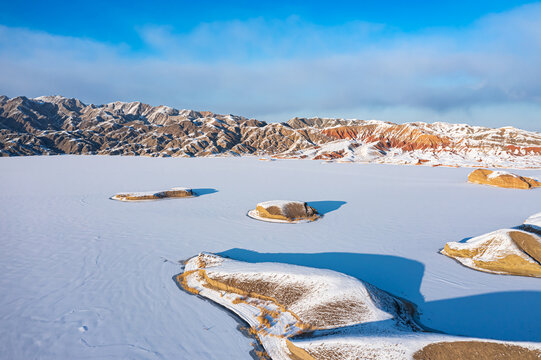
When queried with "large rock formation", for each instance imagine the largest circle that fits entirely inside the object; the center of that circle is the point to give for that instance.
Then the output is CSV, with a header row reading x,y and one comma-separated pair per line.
x,y
506,251
284,211
176,192
303,313
502,179
56,125
280,301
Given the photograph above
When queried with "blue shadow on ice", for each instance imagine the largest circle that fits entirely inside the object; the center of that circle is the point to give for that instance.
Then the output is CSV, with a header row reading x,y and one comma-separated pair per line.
x,y
507,316
510,315
326,206
204,191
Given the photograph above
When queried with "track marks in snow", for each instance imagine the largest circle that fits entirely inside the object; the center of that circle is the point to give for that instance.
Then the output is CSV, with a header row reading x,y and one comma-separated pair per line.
x,y
131,346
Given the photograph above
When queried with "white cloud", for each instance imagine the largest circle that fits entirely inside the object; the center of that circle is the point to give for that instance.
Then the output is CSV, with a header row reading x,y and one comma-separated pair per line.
x,y
486,73
260,39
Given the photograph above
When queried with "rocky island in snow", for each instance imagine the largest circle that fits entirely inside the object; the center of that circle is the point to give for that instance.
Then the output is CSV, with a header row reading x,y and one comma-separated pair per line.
x,y
505,251
502,179
303,313
176,192
284,211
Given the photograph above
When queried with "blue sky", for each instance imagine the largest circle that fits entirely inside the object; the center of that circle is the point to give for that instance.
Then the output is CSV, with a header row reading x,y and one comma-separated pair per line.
x,y
456,61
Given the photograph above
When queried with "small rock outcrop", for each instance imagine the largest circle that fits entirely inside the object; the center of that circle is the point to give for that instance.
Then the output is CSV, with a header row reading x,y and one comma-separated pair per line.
x,y
505,251
479,350
176,192
284,211
502,179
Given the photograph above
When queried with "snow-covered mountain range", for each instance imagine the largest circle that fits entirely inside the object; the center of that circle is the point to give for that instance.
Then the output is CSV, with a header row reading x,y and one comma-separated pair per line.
x,y
52,125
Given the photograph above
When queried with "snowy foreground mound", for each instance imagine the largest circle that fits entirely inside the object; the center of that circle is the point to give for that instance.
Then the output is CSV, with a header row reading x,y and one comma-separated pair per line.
x,y
304,313
285,211
502,179
505,251
176,192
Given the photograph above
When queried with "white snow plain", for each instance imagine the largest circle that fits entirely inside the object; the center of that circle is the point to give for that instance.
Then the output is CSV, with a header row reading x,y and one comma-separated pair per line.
x,y
87,277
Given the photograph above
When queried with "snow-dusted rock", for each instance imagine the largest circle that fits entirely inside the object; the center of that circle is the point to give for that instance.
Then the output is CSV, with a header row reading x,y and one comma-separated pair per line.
x,y
502,179
284,211
504,251
303,313
280,301
176,192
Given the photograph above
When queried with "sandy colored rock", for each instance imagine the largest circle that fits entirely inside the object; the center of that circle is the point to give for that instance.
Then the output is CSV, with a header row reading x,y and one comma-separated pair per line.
x,y
314,301
296,353
529,243
283,304
286,211
502,179
511,252
475,350
167,194
289,300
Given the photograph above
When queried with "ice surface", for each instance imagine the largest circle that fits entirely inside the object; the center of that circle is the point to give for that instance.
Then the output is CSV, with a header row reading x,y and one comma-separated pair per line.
x,y
71,258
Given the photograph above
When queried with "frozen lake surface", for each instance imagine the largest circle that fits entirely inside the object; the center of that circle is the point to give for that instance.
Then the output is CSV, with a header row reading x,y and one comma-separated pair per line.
x,y
87,277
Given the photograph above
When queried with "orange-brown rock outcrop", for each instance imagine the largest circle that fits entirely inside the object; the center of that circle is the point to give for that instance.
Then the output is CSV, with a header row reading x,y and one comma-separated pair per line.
x,y
167,194
512,252
284,211
502,179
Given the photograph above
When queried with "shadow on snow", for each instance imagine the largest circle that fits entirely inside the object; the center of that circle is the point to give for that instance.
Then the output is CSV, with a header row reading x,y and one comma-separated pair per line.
x,y
204,191
324,207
